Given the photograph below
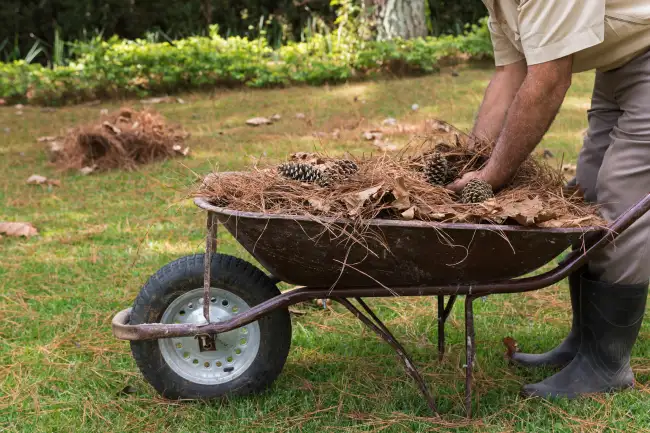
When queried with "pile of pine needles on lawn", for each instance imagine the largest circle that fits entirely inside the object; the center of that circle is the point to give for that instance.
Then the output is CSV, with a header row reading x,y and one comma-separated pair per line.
x,y
396,187
124,139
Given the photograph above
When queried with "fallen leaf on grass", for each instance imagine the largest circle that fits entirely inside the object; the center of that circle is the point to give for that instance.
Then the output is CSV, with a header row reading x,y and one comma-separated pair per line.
x,y
18,229
87,170
36,179
257,121
47,138
386,146
372,135
180,150
159,100
511,347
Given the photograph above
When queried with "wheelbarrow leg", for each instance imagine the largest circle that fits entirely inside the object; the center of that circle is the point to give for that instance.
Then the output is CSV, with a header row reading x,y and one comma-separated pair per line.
x,y
380,329
210,248
469,353
443,314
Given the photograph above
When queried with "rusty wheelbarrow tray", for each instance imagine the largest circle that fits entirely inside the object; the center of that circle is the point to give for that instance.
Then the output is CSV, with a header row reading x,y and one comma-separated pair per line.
x,y
394,258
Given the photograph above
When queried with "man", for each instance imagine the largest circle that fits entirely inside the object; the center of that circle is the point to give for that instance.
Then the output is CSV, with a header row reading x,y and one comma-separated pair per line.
x,y
538,44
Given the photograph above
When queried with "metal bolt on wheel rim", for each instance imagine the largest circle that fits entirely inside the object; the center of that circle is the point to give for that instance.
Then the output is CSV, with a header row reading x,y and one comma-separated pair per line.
x,y
235,350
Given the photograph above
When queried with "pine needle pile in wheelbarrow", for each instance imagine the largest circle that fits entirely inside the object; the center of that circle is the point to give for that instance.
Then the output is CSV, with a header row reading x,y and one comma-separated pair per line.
x,y
400,187
124,139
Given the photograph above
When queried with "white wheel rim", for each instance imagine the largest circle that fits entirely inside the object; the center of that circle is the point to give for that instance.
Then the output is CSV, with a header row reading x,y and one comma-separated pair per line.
x,y
236,349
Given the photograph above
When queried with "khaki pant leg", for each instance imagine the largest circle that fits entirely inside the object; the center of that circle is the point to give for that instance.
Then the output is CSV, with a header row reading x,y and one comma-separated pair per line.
x,y
624,176
603,116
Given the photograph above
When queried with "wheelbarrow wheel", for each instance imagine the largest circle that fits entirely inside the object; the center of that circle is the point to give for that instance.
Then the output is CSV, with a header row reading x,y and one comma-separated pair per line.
x,y
242,361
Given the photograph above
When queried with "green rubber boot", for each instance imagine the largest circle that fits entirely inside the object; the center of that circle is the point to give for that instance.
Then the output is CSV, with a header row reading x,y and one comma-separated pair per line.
x,y
611,316
567,349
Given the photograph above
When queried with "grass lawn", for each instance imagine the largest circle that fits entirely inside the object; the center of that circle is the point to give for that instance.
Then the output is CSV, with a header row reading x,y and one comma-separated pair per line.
x,y
101,236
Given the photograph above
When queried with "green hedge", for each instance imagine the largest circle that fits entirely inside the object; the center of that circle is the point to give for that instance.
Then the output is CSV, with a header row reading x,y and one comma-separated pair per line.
x,y
22,22
116,68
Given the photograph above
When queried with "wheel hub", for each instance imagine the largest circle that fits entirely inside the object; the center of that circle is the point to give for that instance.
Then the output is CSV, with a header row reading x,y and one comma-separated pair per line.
x,y
209,359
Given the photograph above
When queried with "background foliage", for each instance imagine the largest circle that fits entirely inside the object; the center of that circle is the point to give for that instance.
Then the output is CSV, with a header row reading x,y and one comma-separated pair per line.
x,y
119,67
24,23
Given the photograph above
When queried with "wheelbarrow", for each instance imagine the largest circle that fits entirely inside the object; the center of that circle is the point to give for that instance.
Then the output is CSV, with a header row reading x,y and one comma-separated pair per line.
x,y
212,325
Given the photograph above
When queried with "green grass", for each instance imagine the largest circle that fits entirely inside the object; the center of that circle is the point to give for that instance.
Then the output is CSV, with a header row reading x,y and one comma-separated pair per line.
x,y
101,236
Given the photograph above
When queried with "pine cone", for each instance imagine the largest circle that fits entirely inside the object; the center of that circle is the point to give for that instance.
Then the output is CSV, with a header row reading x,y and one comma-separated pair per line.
x,y
302,173
436,169
476,191
346,167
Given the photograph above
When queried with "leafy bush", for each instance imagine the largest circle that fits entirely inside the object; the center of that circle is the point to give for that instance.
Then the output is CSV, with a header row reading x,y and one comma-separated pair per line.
x,y
24,22
118,67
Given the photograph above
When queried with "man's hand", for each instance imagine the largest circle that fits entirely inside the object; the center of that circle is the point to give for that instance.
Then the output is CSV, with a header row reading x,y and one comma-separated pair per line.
x,y
499,95
533,110
458,185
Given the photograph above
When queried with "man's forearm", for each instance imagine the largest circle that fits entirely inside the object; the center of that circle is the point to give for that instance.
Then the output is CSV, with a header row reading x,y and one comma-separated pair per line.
x,y
529,117
497,100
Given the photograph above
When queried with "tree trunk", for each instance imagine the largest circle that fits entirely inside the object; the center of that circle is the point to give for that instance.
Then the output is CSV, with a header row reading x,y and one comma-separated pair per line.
x,y
400,19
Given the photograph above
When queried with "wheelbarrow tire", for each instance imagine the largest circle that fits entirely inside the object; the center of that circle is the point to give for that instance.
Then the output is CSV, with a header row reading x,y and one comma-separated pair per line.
x,y
232,275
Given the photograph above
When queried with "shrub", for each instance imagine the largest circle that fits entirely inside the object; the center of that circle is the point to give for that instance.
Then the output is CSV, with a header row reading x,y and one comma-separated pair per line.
x,y
118,67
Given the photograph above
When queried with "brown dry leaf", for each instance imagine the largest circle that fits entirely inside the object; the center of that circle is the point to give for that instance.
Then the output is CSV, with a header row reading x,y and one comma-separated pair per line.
x,y
569,169
386,146
511,347
528,212
319,204
87,170
180,150
18,229
588,220
409,214
372,135
401,193
437,125
46,139
112,127
36,179
257,121
355,201
151,101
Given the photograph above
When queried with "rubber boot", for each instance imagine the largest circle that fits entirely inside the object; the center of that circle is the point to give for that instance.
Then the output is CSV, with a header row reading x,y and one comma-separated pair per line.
x,y
610,323
567,349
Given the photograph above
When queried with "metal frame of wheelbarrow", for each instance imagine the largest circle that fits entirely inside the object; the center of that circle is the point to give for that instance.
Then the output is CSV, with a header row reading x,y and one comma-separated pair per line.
x,y
342,295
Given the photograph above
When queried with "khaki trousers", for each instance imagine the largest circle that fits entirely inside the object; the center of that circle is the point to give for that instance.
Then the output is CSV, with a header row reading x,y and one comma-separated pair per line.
x,y
614,166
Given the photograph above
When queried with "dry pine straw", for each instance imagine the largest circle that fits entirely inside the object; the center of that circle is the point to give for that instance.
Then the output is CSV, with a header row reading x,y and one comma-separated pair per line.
x,y
394,187
124,139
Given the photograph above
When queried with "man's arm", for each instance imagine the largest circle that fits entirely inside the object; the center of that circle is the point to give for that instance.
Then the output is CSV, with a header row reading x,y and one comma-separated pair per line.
x,y
533,110
497,100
